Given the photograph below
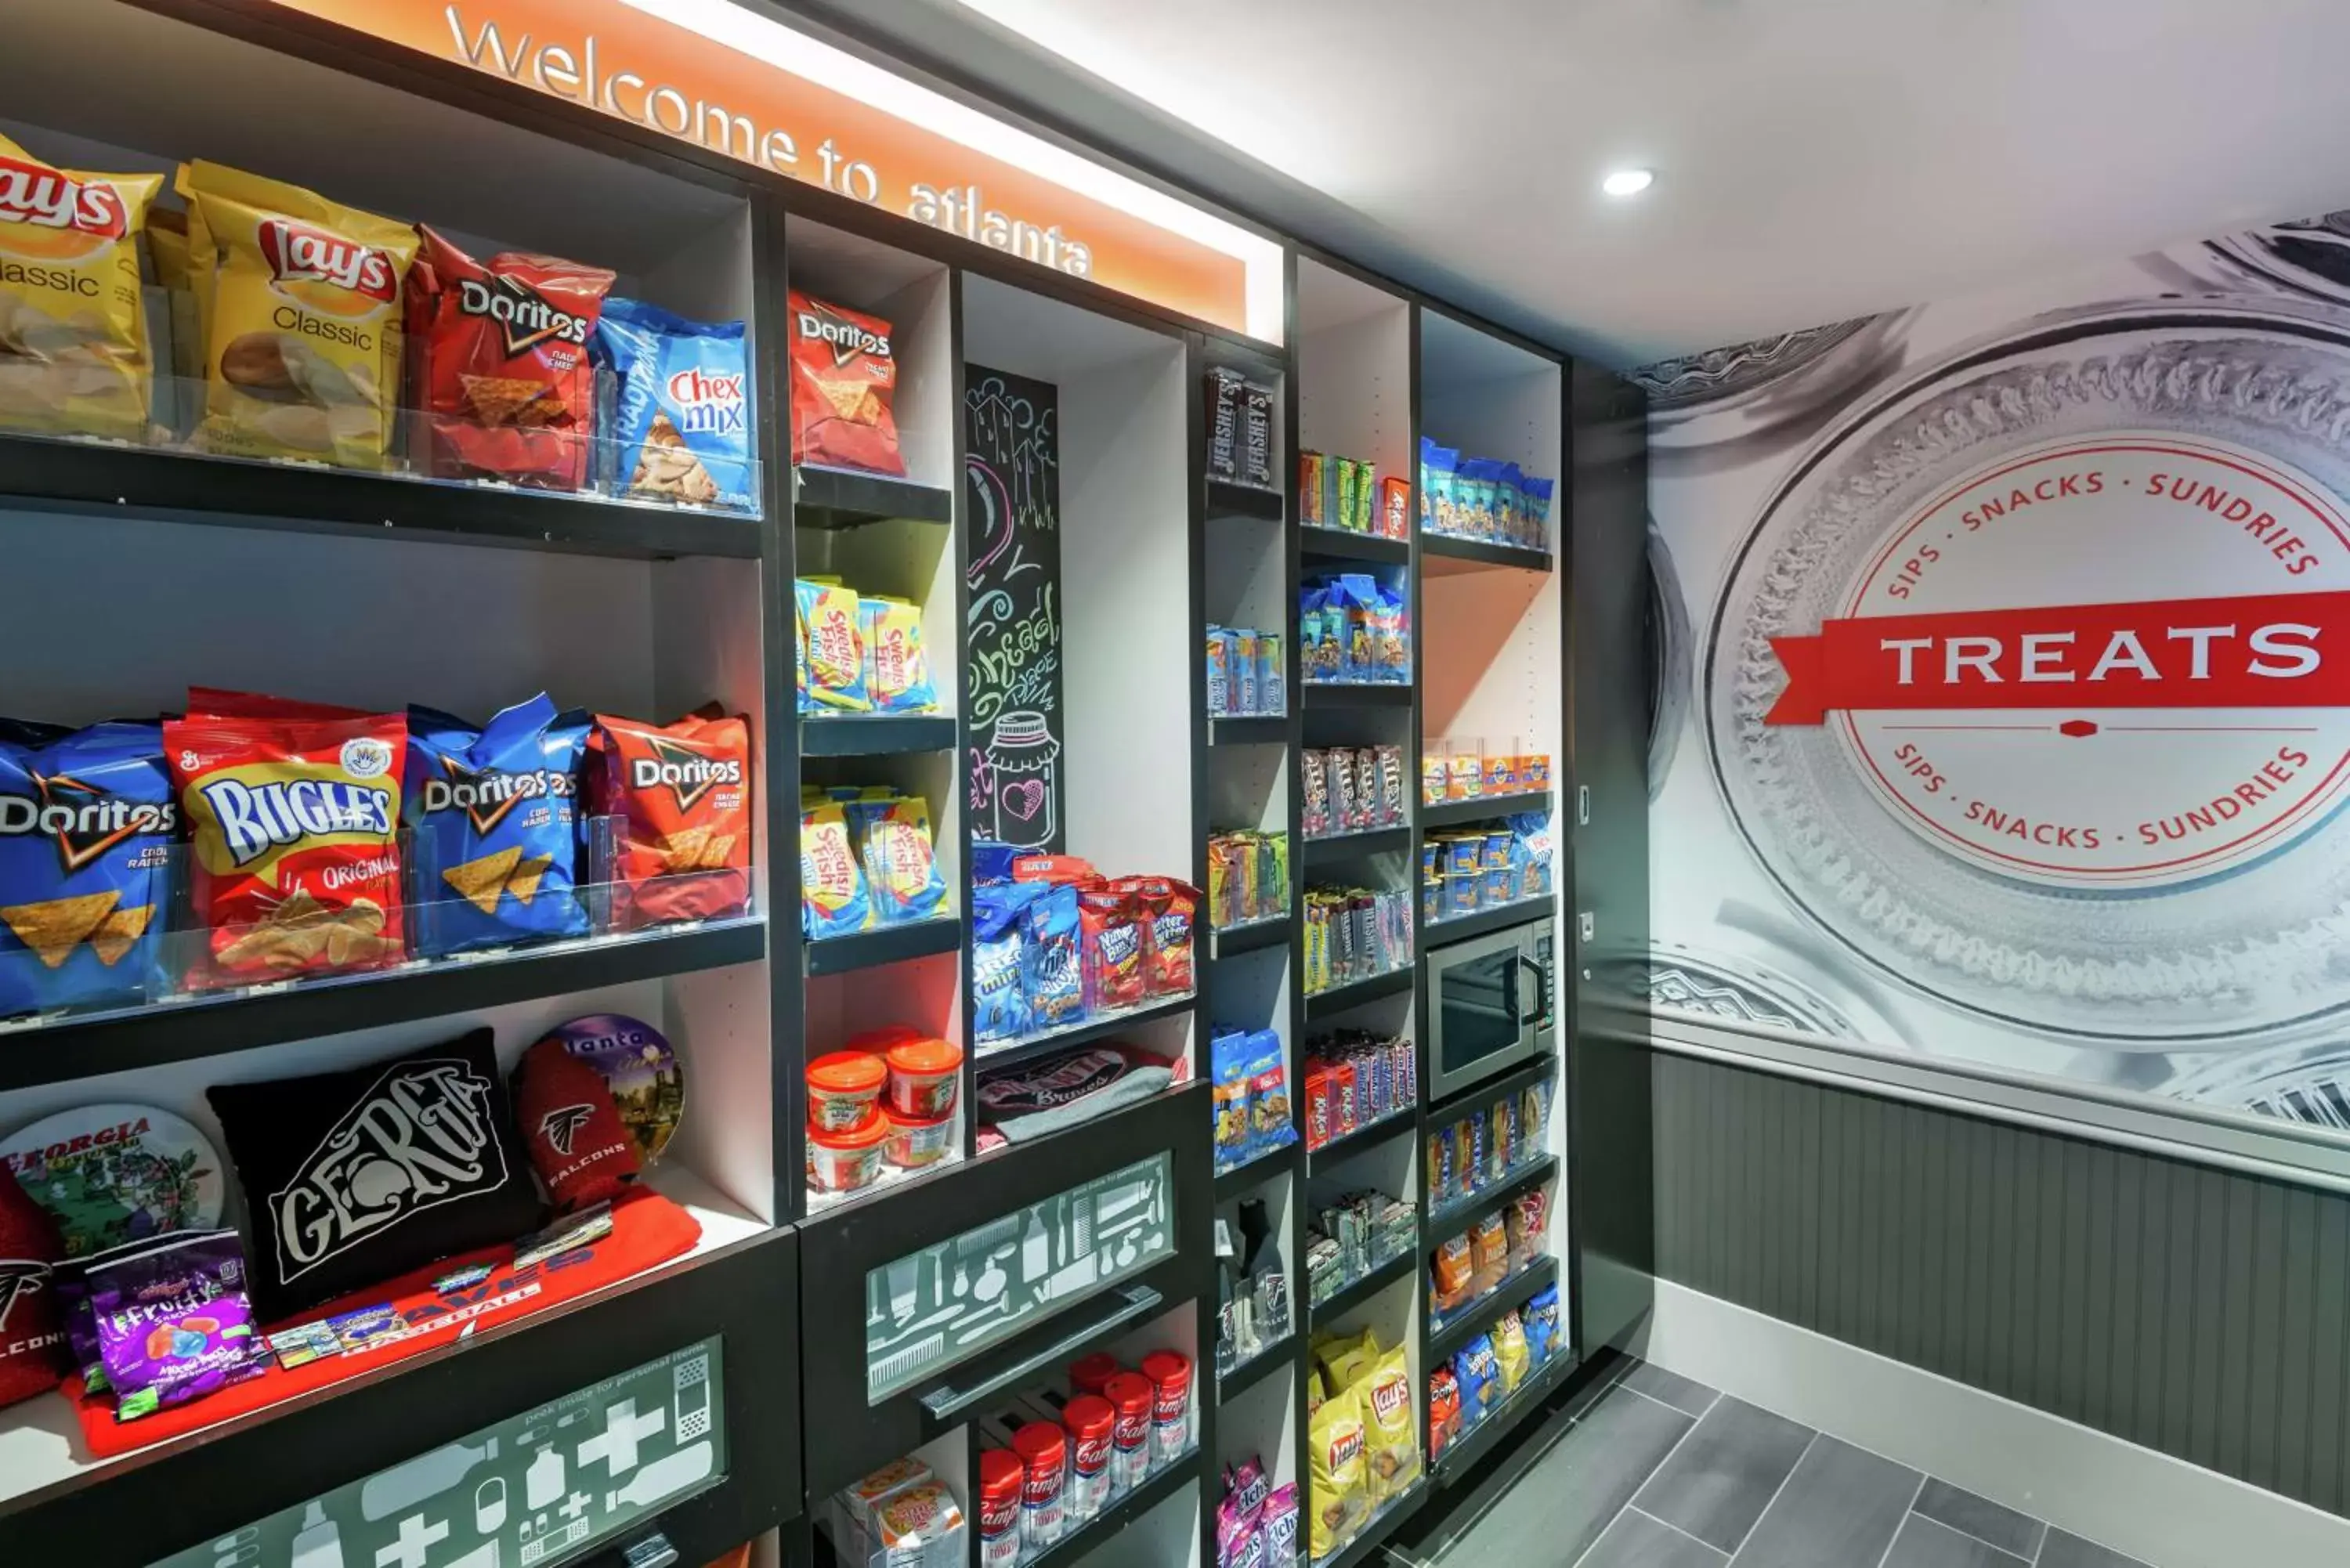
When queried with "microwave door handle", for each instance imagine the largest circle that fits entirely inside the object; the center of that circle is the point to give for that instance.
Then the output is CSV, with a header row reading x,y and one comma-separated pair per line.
x,y
1542,985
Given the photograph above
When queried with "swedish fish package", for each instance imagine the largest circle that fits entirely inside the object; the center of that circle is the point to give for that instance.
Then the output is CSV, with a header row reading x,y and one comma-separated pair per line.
x,y
833,643
300,301
73,330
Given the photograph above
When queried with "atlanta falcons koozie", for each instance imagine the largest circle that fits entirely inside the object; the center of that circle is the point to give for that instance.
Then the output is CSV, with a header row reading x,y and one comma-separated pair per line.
x,y
32,1348
576,1140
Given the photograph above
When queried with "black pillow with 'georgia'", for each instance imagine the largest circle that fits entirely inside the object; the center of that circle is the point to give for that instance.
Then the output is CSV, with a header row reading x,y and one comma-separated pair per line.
x,y
352,1179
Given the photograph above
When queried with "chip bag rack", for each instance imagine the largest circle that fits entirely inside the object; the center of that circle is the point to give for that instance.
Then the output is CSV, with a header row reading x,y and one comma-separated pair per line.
x,y
168,959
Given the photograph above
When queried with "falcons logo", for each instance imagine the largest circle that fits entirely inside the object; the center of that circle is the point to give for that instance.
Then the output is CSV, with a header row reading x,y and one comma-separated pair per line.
x,y
560,1127
19,1278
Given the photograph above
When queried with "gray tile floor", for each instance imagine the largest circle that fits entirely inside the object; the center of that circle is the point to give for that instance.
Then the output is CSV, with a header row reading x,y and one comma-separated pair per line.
x,y
1661,1472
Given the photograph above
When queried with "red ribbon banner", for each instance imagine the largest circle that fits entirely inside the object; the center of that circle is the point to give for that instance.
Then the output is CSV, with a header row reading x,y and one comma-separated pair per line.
x,y
2271,650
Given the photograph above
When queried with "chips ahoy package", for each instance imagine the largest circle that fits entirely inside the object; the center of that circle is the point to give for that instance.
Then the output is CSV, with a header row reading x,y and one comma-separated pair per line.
x,y
680,406
492,820
86,833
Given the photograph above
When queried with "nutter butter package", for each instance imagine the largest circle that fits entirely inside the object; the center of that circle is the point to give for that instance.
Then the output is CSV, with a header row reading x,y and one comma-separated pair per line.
x,y
292,821
74,358
87,850
300,301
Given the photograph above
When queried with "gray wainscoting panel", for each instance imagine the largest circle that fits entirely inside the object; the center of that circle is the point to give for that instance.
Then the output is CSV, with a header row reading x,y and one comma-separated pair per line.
x,y
2185,1308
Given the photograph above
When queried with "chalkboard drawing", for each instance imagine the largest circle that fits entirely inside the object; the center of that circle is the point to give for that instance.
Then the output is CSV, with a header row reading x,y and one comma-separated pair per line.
x,y
1021,771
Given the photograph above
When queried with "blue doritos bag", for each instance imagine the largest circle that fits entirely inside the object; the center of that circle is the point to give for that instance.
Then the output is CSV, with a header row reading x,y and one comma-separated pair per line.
x,y
680,408
86,832
492,820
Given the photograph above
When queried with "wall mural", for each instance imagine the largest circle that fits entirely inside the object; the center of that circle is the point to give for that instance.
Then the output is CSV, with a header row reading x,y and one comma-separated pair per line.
x,y
1012,471
2003,678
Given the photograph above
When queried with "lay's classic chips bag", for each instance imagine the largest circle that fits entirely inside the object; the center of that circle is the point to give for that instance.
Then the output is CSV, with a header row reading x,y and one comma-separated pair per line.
x,y
85,837
300,301
73,328
493,813
293,813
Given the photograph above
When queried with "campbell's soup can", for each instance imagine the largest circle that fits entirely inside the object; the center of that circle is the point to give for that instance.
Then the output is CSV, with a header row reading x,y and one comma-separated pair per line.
x,y
1000,1478
1092,1421
1044,1450
1170,1404
1132,1397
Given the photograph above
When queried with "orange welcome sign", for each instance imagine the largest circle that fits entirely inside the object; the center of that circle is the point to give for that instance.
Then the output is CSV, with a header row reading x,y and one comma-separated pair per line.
x,y
729,79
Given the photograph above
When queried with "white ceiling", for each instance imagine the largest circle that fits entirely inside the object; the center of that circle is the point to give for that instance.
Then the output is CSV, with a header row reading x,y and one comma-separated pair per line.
x,y
1817,159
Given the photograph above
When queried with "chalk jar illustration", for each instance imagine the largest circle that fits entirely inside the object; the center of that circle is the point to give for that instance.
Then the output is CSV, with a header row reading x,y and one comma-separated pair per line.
x,y
1023,763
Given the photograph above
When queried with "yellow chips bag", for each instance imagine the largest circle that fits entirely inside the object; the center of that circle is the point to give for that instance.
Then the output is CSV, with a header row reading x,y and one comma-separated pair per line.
x,y
1337,1489
300,301
1391,1441
73,328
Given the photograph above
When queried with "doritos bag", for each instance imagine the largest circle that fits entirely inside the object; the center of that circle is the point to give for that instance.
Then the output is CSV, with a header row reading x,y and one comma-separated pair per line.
x,y
86,830
32,1342
493,832
499,363
682,793
843,378
293,822
72,328
680,416
300,303
565,1110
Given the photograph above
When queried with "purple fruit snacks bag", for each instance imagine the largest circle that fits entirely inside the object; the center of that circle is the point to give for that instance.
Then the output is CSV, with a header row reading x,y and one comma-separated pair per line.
x,y
173,1324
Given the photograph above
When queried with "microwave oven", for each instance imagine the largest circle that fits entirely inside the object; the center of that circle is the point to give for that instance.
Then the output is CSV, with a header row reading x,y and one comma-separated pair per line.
x,y
1493,1004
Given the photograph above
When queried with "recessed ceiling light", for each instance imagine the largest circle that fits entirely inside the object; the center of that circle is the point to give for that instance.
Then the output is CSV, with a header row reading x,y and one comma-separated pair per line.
x,y
1628,181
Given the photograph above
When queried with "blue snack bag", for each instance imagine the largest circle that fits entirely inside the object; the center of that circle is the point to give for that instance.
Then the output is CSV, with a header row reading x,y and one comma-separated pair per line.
x,y
680,408
1051,967
1270,1125
1479,1374
1542,1325
494,829
86,830
999,1000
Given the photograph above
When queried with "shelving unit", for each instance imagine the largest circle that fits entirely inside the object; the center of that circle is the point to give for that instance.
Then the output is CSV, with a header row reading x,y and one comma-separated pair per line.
x,y
373,590
377,589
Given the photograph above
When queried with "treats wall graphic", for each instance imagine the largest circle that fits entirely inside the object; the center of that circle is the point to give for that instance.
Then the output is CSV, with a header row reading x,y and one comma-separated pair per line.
x,y
1999,685
1012,472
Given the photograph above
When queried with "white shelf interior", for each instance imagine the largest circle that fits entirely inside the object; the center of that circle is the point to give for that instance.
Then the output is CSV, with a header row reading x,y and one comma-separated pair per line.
x,y
1354,367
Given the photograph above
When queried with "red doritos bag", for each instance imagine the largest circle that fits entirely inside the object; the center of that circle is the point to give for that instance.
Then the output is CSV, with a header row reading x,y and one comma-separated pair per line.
x,y
583,1152
498,363
293,815
843,378
32,1342
682,798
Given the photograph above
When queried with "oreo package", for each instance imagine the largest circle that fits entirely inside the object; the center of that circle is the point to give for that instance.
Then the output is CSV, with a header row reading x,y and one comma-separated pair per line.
x,y
492,817
86,830
680,406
